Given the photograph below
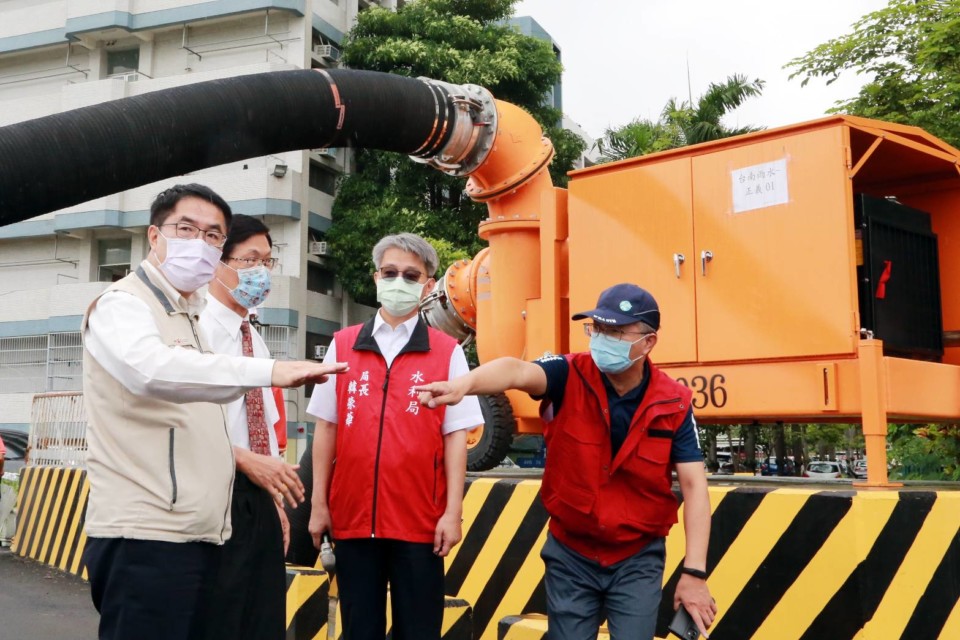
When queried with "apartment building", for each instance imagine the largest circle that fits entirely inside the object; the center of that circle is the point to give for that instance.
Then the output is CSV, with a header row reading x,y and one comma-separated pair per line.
x,y
57,55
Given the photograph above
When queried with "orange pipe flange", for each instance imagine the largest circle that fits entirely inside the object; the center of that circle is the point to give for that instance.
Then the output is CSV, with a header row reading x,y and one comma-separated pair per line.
x,y
520,154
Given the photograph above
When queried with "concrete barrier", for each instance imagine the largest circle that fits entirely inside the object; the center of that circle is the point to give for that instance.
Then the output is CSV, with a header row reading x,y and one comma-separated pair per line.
x,y
308,607
51,506
805,563
791,562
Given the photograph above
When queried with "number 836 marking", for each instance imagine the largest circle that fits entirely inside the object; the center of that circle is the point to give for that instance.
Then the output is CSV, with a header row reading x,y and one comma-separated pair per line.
x,y
706,391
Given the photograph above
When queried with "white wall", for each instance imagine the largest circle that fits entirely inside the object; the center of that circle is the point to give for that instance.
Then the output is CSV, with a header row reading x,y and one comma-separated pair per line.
x,y
36,263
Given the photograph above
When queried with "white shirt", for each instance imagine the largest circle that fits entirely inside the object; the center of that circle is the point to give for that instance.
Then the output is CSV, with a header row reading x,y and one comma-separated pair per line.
x,y
463,415
221,328
123,338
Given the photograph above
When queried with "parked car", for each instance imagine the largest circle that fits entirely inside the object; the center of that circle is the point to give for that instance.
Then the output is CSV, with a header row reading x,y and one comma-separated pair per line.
x,y
824,469
724,463
859,469
771,468
16,444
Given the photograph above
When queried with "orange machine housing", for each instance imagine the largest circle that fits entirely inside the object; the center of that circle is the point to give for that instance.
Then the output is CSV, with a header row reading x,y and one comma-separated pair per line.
x,y
759,304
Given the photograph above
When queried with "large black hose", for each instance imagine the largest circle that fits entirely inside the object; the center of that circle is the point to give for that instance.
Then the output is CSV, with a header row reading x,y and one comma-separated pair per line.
x,y
68,158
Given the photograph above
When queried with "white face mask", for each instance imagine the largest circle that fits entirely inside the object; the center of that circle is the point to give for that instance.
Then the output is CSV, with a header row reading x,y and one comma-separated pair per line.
x,y
189,264
397,296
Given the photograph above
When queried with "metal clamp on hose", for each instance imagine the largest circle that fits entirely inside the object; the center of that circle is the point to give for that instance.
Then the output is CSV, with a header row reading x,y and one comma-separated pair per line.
x,y
473,113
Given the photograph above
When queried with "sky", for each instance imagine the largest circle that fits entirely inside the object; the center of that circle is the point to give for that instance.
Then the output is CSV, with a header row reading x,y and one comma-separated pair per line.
x,y
624,59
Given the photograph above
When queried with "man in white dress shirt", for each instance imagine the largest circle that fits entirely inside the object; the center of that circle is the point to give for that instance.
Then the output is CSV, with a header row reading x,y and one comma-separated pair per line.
x,y
249,599
160,462
393,501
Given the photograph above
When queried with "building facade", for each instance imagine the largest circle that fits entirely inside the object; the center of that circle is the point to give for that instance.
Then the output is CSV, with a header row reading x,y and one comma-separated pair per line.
x,y
57,55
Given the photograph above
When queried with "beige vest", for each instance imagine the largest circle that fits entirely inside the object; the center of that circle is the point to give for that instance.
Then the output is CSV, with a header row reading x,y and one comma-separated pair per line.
x,y
158,470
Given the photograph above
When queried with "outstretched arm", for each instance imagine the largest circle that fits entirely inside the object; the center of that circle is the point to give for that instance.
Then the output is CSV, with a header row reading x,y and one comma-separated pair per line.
x,y
491,378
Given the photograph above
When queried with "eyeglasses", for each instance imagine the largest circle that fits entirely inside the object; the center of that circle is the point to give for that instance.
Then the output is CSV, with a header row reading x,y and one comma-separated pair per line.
x,y
592,328
187,231
411,276
247,263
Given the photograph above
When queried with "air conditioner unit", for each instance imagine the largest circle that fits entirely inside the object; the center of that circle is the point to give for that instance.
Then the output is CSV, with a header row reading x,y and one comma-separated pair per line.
x,y
318,248
327,151
326,52
319,352
126,77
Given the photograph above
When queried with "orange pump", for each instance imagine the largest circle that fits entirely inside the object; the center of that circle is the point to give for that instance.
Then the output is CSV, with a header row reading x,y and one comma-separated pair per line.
x,y
754,249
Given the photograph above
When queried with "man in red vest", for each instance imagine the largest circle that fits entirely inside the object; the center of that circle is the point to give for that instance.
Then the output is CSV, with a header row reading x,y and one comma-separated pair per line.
x,y
393,500
615,426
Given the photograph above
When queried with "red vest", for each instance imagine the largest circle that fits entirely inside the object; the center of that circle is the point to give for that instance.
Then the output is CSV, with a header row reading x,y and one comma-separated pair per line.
x,y
388,477
607,510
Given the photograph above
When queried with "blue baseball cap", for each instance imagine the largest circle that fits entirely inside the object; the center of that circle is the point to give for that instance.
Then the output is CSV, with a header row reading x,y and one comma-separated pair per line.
x,y
624,304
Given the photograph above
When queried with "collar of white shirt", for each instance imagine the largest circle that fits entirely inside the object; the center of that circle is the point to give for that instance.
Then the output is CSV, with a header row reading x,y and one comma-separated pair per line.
x,y
192,304
225,316
407,326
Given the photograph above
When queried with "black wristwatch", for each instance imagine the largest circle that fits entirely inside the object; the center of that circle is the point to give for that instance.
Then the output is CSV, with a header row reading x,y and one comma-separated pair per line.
x,y
696,573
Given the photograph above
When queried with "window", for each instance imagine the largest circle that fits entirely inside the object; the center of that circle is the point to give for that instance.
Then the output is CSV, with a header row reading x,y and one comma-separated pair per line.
x,y
23,364
280,340
113,258
123,62
320,279
323,179
65,362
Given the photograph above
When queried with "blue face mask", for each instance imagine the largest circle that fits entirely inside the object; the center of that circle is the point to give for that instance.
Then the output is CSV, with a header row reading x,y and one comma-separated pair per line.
x,y
612,355
253,286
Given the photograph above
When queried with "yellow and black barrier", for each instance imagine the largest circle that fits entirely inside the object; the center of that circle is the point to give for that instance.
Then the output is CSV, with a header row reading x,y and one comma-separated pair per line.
x,y
531,627
308,609
51,506
792,562
784,562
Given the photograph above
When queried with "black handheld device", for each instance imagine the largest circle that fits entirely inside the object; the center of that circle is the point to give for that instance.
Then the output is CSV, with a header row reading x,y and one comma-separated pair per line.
x,y
683,625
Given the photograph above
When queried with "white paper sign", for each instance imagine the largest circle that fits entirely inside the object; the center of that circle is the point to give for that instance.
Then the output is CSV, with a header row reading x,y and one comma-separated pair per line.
x,y
759,186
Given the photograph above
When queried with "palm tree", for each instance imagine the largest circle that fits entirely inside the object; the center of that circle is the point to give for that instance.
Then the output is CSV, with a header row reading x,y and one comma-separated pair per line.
x,y
702,121
681,123
638,138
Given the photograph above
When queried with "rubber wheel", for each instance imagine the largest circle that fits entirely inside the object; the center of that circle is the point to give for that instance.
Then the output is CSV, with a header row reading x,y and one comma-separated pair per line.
x,y
488,445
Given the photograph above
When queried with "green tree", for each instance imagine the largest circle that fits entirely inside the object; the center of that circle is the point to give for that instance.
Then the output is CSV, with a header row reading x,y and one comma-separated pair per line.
x,y
459,41
910,53
638,138
682,123
924,451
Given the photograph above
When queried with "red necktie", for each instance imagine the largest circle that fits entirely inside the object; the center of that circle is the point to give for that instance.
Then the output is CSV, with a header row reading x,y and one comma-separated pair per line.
x,y
256,420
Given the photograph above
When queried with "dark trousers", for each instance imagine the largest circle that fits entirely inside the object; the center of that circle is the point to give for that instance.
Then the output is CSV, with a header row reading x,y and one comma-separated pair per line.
x,y
249,601
151,590
415,574
581,593
301,550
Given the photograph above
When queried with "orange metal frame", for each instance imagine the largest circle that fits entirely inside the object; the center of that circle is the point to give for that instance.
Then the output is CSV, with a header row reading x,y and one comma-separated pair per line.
x,y
769,329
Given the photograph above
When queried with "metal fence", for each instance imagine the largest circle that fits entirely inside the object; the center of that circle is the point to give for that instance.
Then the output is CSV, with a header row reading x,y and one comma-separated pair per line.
x,y
50,362
281,341
58,430
23,364
65,362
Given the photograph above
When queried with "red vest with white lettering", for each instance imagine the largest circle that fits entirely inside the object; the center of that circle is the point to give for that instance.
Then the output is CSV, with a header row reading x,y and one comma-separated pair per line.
x,y
388,478
602,509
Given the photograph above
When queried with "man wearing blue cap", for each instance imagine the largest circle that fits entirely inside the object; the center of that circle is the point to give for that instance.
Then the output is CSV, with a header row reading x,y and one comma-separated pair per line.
x,y
615,427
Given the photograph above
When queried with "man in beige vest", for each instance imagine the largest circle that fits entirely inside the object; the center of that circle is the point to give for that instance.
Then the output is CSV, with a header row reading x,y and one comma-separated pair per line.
x,y
160,462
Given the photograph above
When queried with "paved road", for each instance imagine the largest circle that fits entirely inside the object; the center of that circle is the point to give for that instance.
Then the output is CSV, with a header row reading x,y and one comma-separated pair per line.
x,y
39,603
